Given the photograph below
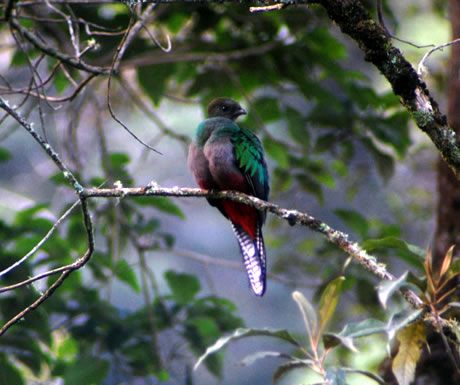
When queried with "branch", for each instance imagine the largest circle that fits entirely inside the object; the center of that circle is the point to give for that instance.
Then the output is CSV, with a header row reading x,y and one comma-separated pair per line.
x,y
421,66
42,241
51,51
86,217
354,20
78,264
48,149
294,217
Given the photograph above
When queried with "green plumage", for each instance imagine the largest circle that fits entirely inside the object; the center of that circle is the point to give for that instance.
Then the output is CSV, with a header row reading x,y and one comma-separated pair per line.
x,y
224,156
249,154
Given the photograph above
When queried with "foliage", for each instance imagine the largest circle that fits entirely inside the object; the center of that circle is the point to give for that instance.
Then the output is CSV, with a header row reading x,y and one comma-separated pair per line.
x,y
319,117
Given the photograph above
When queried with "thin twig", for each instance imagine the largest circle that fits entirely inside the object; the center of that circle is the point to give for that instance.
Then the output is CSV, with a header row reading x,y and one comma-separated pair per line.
x,y
53,99
383,25
131,32
42,241
421,65
268,8
51,51
48,149
78,264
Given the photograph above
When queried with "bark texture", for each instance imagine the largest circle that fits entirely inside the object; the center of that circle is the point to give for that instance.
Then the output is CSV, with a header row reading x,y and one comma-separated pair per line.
x,y
434,366
448,215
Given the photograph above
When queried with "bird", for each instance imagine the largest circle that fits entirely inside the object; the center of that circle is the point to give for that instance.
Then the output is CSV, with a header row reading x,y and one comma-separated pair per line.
x,y
225,156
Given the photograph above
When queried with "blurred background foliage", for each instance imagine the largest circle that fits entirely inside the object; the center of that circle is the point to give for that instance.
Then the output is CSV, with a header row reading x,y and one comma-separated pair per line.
x,y
166,281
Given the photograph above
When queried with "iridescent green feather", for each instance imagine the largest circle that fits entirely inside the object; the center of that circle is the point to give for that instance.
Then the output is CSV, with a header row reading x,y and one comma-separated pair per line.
x,y
249,154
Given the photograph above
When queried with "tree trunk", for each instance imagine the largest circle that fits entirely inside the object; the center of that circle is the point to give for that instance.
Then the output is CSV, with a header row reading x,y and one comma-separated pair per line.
x,y
434,366
448,215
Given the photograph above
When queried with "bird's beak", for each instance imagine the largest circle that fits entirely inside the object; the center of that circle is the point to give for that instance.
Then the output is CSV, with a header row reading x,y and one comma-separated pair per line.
x,y
241,111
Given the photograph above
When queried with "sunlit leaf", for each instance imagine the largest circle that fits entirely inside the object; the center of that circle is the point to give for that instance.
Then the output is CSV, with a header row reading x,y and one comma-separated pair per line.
x,y
328,302
411,340
400,320
354,330
308,314
250,359
447,261
243,333
387,288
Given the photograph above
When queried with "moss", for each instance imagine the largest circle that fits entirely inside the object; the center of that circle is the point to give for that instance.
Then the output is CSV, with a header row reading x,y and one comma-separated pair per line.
x,y
423,119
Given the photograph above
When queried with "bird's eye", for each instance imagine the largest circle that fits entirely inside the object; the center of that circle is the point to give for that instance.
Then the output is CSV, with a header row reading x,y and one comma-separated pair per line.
x,y
224,108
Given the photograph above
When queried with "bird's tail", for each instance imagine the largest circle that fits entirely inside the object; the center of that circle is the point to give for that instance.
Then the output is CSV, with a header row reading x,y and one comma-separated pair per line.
x,y
254,258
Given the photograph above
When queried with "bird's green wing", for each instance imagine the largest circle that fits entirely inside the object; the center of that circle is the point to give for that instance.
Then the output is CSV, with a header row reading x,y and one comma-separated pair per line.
x,y
249,155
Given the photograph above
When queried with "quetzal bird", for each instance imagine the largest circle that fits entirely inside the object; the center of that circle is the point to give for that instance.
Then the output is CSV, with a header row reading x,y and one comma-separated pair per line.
x,y
225,156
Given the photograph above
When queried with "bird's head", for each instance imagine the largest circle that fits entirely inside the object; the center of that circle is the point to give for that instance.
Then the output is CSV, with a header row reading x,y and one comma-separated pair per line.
x,y
225,108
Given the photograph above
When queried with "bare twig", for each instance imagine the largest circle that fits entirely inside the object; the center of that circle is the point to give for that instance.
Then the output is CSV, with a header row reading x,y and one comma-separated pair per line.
x,y
268,8
131,32
382,23
53,99
421,69
48,149
51,51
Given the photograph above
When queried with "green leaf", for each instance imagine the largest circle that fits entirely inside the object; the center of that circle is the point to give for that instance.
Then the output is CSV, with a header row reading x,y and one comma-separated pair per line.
x,y
184,287
95,371
9,374
311,185
67,349
4,155
287,367
411,340
163,204
308,313
60,81
328,302
119,159
297,127
363,328
387,288
371,375
410,253
154,79
400,320
244,333
267,108
384,162
354,330
206,326
126,274
335,376
332,340
354,220
277,151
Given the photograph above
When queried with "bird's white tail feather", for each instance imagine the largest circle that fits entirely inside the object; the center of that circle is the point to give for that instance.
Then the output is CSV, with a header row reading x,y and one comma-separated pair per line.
x,y
254,259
